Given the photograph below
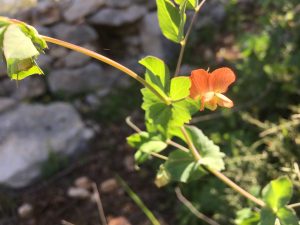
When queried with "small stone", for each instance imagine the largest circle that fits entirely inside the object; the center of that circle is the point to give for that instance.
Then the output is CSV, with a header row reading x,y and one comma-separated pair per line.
x,y
83,182
25,210
81,8
78,81
58,52
129,163
109,185
119,221
47,12
118,3
76,192
151,36
79,34
6,104
118,17
75,59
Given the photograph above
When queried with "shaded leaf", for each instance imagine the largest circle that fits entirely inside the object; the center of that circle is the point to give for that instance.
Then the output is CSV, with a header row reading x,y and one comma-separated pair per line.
x,y
267,217
287,216
247,217
211,156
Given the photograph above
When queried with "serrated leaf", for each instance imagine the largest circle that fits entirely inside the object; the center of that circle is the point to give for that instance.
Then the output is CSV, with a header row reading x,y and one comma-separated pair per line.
x,y
145,143
191,4
287,216
157,74
267,217
278,193
211,156
180,88
170,20
182,167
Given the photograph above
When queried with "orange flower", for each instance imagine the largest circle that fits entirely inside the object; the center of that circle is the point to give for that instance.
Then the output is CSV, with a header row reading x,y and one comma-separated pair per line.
x,y
209,87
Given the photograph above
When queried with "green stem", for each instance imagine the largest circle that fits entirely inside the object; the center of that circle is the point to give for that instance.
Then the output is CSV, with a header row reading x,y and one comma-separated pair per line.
x,y
218,174
108,61
184,41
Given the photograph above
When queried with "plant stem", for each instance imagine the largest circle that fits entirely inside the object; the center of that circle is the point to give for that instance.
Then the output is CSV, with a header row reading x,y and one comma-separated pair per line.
x,y
191,145
218,174
184,41
108,61
294,205
176,145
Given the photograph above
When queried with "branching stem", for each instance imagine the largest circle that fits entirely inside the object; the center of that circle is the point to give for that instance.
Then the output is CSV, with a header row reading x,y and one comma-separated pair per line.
x,y
218,174
184,41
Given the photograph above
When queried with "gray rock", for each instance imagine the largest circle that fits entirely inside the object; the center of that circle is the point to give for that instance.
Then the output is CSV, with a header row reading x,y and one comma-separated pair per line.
x,y
47,13
151,36
75,59
118,17
79,34
28,133
28,88
78,81
45,62
6,104
118,3
81,8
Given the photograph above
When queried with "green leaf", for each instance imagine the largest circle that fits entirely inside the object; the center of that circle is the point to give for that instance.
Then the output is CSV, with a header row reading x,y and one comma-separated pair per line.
x,y
21,60
287,216
182,167
145,143
4,21
210,153
170,20
247,217
162,177
278,193
191,4
267,217
17,45
180,88
157,74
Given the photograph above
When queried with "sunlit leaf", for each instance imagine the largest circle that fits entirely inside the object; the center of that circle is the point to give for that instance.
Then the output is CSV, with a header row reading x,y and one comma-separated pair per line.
x,y
278,193
191,4
170,20
180,88
287,216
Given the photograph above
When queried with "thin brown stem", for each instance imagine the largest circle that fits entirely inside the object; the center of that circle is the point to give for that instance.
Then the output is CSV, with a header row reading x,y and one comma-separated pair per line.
x,y
295,205
108,61
184,41
99,205
191,145
176,145
193,209
132,125
218,174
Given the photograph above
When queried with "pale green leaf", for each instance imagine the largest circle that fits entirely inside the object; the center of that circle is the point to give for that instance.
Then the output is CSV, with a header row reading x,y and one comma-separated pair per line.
x,y
157,73
17,45
278,193
170,20
191,4
180,88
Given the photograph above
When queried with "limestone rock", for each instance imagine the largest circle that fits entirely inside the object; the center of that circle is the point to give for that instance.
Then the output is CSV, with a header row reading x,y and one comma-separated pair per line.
x,y
81,8
78,81
118,3
151,36
79,34
118,17
28,133
75,59
47,13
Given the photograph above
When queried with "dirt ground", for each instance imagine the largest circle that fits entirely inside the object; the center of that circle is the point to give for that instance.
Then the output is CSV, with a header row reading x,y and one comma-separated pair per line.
x,y
109,155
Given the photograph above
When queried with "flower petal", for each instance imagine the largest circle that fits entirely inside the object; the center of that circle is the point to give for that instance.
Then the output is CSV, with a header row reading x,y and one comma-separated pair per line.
x,y
212,104
199,81
207,97
220,79
223,101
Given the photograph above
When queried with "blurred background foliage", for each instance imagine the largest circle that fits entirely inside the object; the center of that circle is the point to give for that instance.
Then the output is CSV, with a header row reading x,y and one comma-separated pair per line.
x,y
261,41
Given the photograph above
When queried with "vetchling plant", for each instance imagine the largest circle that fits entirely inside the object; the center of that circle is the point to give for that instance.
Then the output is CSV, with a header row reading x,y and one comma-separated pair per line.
x,y
169,104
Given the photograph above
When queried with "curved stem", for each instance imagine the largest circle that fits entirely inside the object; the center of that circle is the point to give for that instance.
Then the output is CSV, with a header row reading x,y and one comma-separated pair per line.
x,y
294,205
218,174
183,42
108,61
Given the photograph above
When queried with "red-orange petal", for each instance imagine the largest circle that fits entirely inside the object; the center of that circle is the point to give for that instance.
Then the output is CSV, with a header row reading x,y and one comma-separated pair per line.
x,y
220,79
223,101
199,81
